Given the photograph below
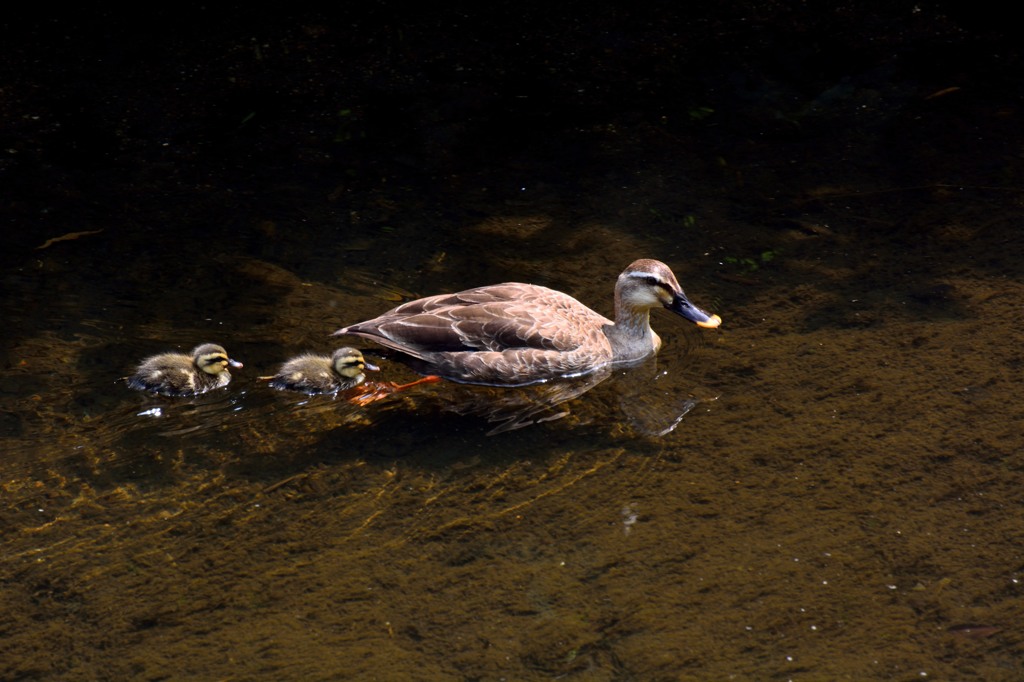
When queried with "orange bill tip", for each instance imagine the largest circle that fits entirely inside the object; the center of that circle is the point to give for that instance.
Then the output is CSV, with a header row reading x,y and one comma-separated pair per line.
x,y
711,323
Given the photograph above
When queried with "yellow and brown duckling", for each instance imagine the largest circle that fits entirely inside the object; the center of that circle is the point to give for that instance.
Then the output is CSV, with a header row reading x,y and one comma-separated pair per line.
x,y
315,374
177,374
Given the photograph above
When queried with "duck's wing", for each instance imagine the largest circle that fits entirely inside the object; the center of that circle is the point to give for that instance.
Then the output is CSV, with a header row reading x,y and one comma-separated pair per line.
x,y
492,318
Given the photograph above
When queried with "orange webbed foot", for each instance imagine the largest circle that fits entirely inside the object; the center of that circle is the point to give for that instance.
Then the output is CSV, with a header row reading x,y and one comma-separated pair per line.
x,y
372,391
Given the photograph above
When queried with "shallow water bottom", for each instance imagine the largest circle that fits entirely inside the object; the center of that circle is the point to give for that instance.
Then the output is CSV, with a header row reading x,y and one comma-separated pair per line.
x,y
840,504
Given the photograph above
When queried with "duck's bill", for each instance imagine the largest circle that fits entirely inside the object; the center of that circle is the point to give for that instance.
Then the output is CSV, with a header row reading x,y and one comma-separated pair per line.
x,y
235,363
682,306
370,366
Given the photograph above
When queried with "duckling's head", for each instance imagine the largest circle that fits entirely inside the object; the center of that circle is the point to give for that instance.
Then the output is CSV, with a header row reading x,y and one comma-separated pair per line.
x,y
349,363
647,283
212,359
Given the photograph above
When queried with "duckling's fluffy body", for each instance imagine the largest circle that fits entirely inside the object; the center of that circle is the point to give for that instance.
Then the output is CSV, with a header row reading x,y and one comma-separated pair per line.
x,y
315,374
178,374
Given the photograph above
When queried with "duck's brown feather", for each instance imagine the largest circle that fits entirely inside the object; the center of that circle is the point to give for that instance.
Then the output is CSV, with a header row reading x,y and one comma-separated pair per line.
x,y
497,318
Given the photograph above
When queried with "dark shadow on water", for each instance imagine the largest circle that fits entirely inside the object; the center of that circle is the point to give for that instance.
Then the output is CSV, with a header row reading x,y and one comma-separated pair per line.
x,y
622,397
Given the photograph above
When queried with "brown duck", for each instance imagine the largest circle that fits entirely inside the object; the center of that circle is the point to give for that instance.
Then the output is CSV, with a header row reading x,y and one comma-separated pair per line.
x,y
515,334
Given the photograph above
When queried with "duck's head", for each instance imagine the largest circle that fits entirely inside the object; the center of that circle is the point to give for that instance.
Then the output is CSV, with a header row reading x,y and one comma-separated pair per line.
x,y
212,359
647,284
350,363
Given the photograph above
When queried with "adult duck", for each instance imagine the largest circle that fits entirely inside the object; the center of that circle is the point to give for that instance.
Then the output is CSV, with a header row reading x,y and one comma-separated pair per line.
x,y
514,334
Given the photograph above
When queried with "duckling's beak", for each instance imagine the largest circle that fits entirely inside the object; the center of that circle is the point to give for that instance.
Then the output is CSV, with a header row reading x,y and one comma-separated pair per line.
x,y
234,363
370,366
682,306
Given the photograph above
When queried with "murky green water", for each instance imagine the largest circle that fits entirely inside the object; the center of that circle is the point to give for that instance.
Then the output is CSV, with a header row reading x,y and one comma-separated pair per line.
x,y
842,502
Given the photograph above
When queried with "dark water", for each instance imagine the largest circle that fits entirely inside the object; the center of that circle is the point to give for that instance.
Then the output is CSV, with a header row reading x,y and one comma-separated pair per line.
x,y
842,499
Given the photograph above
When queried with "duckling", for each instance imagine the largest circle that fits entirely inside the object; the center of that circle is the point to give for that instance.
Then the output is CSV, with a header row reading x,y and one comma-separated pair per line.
x,y
315,374
177,374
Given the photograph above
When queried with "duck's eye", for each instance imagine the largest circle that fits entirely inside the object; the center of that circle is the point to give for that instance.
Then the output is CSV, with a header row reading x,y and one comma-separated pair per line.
x,y
651,281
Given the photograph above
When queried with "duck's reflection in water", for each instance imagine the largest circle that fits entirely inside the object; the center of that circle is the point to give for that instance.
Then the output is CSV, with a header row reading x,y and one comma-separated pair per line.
x,y
651,400
515,407
641,396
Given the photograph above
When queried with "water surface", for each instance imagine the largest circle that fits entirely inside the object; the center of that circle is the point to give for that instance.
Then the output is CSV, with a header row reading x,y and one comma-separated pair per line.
x,y
841,500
